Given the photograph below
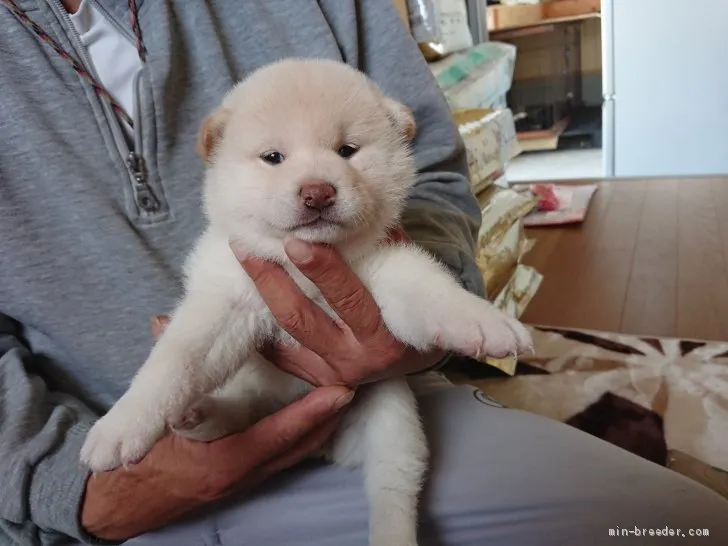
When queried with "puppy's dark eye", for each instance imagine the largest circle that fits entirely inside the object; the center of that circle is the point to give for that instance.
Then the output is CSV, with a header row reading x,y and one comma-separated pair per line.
x,y
347,150
273,158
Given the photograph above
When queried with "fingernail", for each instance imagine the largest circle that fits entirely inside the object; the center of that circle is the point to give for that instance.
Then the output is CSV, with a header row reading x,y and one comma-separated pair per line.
x,y
239,253
343,400
298,251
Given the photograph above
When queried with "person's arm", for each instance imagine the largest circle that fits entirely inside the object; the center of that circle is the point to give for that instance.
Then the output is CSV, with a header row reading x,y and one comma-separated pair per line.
x,y
442,215
41,433
179,476
46,492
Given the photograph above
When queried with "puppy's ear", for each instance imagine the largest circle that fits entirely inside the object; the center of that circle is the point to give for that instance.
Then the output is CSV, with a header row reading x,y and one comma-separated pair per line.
x,y
402,118
211,132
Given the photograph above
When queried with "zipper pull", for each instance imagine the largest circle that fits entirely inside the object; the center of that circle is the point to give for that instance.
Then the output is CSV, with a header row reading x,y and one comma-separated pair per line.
x,y
143,194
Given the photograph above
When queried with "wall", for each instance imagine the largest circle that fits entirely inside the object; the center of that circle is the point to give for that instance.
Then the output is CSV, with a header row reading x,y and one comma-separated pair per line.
x,y
671,87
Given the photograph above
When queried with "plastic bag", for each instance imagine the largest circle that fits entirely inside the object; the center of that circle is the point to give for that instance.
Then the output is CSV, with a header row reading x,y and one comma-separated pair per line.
x,y
440,26
478,77
501,208
424,21
520,290
490,142
498,261
502,240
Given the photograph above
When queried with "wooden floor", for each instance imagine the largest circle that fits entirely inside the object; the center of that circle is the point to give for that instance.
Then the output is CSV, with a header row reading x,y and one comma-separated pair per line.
x,y
651,258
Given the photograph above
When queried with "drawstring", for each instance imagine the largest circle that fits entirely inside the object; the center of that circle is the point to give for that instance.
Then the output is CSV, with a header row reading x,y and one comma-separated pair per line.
x,y
77,66
136,29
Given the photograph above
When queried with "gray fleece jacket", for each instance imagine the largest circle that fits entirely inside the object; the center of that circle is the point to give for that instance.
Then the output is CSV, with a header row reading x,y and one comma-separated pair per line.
x,y
87,255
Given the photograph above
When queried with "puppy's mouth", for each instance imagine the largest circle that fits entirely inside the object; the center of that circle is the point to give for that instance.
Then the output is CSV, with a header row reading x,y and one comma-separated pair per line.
x,y
316,219
319,222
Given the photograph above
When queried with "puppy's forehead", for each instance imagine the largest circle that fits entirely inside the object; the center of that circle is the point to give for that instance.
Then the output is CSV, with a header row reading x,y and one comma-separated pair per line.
x,y
323,97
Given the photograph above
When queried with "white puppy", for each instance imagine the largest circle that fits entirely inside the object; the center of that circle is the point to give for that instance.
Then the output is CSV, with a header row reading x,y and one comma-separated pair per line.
x,y
309,149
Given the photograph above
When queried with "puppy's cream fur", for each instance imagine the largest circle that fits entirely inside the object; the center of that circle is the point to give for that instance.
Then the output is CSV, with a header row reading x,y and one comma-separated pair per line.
x,y
205,376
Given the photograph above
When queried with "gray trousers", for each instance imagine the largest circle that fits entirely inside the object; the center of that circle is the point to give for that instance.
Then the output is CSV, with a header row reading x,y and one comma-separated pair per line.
x,y
499,477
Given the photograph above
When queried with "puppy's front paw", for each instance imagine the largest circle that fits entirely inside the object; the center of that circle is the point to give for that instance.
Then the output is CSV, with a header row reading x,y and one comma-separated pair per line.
x,y
120,438
479,329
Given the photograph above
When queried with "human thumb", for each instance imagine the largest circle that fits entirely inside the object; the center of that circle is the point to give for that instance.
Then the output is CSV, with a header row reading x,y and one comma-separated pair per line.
x,y
280,431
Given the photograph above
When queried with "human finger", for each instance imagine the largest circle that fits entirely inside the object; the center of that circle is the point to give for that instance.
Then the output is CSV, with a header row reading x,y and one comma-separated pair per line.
x,y
279,432
338,284
411,361
305,447
305,321
303,363
158,324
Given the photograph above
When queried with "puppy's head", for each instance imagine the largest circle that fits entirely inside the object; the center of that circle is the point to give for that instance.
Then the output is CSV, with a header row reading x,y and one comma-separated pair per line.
x,y
310,149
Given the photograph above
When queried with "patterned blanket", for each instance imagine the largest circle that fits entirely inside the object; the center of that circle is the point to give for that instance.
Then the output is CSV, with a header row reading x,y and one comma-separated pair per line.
x,y
663,399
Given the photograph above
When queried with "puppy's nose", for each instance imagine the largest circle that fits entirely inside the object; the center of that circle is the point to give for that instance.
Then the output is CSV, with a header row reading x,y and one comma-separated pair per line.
x,y
317,195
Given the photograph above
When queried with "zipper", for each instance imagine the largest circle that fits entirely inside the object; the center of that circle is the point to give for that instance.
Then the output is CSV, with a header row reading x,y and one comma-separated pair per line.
x,y
145,199
143,192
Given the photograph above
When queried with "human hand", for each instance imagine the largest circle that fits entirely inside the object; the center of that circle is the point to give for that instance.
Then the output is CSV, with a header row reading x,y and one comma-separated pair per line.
x,y
178,476
357,348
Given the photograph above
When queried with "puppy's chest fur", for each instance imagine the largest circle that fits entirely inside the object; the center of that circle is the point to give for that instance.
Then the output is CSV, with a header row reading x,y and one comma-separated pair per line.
x,y
213,269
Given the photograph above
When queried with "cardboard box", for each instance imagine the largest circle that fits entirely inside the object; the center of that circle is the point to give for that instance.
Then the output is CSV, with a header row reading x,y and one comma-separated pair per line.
x,y
512,16
490,140
557,9
503,17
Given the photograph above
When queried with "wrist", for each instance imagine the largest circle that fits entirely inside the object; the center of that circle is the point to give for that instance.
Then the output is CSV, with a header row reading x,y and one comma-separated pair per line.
x,y
104,509
168,483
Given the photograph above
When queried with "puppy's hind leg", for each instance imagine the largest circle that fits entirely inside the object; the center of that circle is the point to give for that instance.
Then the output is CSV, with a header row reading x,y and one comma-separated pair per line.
x,y
383,434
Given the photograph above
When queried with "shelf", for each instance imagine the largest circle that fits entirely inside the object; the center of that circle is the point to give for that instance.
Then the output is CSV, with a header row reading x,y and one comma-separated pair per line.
x,y
537,27
508,19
